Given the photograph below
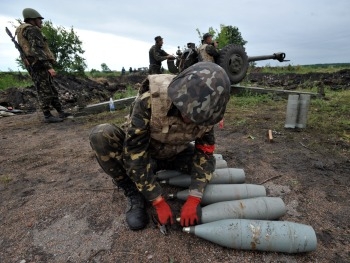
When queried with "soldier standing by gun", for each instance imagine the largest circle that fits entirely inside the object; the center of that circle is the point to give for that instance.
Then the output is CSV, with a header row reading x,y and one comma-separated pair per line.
x,y
38,59
157,55
208,50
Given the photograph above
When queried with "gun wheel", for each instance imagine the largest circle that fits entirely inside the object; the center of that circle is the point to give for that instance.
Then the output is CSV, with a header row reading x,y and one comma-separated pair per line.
x,y
234,60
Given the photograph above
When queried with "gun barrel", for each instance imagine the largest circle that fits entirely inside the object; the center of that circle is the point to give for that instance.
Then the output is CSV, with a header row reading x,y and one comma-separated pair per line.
x,y
19,48
8,32
278,56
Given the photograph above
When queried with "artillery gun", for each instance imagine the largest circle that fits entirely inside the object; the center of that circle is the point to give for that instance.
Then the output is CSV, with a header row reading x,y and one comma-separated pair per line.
x,y
233,59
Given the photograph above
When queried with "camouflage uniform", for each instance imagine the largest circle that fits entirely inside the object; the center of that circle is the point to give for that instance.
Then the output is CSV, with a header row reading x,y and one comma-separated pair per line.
x,y
159,138
40,58
156,56
208,53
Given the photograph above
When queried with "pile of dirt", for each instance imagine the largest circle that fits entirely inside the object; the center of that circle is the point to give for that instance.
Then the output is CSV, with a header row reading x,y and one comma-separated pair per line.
x,y
73,91
77,91
339,80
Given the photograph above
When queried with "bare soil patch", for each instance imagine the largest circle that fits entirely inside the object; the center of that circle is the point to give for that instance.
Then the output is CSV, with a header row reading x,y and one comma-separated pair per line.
x,y
57,205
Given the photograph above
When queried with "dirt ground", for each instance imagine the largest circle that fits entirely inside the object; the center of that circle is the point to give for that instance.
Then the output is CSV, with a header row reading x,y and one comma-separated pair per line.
x,y
57,205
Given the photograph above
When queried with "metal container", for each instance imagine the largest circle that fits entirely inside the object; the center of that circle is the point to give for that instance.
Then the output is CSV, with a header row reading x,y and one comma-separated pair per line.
x,y
292,111
304,103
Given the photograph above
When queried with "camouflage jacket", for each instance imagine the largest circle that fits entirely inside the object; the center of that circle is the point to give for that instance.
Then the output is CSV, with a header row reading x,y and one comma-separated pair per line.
x,y
142,149
157,55
35,46
208,53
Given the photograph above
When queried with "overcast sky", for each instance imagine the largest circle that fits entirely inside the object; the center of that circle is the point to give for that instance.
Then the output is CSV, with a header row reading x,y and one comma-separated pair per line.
x,y
120,33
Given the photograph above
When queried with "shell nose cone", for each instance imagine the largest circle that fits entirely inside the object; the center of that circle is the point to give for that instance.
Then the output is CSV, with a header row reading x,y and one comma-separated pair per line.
x,y
186,229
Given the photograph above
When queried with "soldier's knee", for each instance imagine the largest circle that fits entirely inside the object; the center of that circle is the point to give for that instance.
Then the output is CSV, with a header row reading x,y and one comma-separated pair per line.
x,y
106,135
101,128
99,132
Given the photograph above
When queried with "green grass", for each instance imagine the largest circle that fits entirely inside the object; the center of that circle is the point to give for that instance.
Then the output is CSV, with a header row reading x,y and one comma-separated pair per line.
x,y
332,115
5,180
129,92
116,117
246,100
18,80
101,74
329,117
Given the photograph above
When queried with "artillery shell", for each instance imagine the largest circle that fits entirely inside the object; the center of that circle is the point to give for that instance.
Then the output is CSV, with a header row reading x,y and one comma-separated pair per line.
x,y
262,235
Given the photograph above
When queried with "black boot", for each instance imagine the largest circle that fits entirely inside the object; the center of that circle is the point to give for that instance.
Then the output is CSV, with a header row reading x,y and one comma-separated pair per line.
x,y
49,118
63,115
136,215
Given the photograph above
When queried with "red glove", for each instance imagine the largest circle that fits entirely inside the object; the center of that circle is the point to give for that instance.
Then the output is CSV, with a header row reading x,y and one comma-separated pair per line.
x,y
190,211
164,213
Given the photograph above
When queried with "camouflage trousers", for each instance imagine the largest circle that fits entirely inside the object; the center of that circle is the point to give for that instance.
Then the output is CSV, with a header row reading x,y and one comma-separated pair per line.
x,y
47,93
107,142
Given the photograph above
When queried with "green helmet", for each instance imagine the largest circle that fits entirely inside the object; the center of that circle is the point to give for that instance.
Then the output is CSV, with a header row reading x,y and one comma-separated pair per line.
x,y
29,13
201,93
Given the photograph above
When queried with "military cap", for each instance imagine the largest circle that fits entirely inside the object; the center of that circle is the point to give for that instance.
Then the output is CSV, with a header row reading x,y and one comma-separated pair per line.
x,y
158,38
206,35
201,93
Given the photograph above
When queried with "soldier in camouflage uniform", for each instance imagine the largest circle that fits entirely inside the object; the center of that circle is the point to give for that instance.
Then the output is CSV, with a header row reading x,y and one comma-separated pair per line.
x,y
208,50
171,112
157,55
39,60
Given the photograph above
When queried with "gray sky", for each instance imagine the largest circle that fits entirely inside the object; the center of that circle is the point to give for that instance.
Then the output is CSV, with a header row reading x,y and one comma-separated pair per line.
x,y
120,33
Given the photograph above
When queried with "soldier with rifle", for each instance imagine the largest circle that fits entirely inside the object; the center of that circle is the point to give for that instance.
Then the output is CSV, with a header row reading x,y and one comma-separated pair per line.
x,y
38,60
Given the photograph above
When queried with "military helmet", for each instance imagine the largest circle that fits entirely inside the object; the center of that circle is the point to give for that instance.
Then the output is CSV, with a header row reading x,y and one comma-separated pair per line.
x,y
201,93
30,13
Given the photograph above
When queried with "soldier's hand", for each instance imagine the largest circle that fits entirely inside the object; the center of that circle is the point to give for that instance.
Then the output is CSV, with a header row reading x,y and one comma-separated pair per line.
x,y
191,211
164,212
52,72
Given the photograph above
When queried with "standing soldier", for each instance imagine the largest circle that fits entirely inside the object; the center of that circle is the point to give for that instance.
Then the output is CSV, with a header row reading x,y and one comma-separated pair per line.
x,y
208,50
157,55
39,60
171,112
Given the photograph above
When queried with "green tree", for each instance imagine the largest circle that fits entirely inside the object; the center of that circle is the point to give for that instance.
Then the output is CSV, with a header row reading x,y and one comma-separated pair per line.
x,y
227,35
66,47
105,68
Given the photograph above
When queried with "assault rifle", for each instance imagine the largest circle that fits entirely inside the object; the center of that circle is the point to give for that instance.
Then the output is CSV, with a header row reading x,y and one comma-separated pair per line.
x,y
19,48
